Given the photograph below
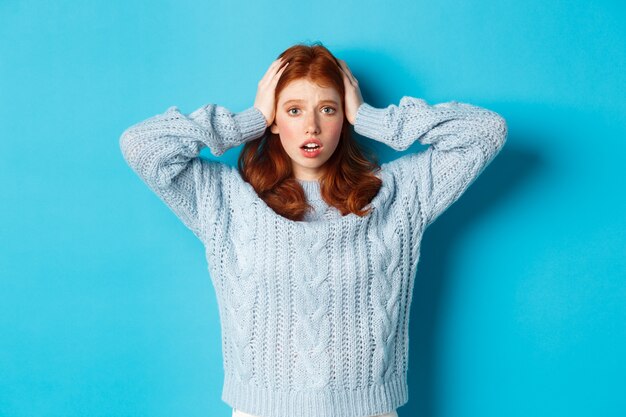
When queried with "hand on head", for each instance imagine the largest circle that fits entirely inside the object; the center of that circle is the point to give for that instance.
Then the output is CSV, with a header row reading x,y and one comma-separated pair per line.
x,y
264,100
353,98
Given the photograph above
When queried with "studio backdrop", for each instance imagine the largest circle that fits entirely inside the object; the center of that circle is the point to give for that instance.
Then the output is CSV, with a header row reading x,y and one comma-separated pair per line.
x,y
107,307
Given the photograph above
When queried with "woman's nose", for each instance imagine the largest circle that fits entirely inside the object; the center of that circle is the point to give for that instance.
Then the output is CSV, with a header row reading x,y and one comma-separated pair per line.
x,y
312,124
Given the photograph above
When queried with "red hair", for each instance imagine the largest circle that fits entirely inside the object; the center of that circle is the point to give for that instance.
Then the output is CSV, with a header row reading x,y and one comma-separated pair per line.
x,y
349,182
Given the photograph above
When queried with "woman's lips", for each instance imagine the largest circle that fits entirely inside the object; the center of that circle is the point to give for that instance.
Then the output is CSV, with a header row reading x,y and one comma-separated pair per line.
x,y
312,153
312,140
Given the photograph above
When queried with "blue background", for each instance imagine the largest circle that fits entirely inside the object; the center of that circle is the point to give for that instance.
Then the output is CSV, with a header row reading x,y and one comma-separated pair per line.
x,y
106,306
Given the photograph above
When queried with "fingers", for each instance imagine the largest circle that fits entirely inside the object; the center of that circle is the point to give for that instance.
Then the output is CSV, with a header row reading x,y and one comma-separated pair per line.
x,y
279,73
270,70
273,71
344,68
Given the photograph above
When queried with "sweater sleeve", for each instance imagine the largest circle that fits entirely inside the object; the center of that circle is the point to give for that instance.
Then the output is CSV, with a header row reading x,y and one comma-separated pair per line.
x,y
463,140
163,151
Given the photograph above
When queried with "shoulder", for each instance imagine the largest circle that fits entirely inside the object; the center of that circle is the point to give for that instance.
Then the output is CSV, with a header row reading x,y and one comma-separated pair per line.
x,y
402,183
238,196
390,190
223,189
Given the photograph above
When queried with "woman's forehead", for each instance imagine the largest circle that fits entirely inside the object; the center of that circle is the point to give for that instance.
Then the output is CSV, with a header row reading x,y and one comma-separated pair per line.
x,y
304,90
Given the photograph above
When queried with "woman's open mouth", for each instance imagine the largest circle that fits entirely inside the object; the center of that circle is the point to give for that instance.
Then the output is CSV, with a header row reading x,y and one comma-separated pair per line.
x,y
311,150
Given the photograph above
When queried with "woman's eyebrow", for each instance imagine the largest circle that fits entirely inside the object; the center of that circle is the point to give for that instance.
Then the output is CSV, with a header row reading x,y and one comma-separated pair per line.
x,y
300,101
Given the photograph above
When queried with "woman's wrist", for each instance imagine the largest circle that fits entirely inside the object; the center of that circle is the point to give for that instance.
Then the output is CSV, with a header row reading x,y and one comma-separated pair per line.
x,y
252,123
369,122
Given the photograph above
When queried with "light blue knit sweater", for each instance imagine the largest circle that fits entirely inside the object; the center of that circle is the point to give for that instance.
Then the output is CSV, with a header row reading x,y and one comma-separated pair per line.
x,y
314,313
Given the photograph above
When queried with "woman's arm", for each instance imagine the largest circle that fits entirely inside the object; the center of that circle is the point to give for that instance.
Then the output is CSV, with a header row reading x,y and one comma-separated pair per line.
x,y
464,139
164,151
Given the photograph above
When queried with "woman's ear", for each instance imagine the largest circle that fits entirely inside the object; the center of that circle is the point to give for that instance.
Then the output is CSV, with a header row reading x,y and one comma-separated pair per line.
x,y
274,128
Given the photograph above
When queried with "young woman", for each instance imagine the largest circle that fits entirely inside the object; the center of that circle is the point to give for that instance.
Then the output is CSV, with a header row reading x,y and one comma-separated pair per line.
x,y
312,248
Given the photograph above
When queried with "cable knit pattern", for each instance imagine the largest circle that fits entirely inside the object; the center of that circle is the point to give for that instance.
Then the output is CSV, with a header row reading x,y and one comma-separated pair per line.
x,y
312,328
386,298
241,300
314,313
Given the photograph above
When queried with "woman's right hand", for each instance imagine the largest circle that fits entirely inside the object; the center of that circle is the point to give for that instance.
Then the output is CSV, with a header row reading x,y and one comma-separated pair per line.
x,y
265,100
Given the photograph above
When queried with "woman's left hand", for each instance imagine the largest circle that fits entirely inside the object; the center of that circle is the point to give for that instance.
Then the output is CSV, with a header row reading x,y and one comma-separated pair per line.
x,y
353,98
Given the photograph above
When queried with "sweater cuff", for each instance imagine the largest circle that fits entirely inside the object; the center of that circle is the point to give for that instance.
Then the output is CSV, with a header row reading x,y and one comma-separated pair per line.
x,y
252,123
369,121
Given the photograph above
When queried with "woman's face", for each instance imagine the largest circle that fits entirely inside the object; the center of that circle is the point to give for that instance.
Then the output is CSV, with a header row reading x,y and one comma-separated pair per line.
x,y
307,111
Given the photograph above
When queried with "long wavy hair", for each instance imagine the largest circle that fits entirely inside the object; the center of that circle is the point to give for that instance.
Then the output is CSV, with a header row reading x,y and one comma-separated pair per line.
x,y
349,182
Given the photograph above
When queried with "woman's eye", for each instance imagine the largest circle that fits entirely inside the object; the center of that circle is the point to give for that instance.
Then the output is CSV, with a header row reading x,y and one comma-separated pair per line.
x,y
332,110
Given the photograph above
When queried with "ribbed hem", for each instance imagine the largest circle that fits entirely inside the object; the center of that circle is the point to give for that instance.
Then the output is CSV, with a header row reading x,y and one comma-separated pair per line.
x,y
374,400
369,122
252,123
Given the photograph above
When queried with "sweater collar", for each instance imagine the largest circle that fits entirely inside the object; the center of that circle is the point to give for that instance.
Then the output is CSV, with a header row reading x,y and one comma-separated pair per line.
x,y
311,189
